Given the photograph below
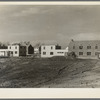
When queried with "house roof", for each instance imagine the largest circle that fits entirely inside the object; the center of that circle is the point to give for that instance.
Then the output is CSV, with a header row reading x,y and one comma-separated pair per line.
x,y
17,44
55,44
87,42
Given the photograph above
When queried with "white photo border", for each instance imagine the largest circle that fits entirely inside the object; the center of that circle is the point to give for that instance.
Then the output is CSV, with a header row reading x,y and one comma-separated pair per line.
x,y
34,93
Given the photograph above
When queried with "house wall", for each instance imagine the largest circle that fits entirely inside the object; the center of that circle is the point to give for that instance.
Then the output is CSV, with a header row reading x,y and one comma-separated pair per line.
x,y
29,50
74,47
61,52
22,50
14,50
36,50
47,50
50,51
4,52
17,50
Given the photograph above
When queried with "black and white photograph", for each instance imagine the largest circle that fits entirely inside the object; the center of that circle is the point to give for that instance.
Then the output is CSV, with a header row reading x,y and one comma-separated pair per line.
x,y
49,46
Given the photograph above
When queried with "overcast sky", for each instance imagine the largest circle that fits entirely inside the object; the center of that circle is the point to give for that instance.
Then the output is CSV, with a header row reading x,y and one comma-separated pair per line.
x,y
58,24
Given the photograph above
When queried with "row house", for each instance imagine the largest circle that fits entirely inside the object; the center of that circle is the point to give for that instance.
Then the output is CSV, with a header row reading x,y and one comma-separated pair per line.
x,y
4,50
85,49
29,50
52,50
16,50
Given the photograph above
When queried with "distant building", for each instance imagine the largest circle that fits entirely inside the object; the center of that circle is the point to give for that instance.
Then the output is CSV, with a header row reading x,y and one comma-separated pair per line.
x,y
17,50
29,49
85,49
52,50
4,53
36,50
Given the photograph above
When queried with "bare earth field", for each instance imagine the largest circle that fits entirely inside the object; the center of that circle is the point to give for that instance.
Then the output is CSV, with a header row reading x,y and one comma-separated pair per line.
x,y
49,73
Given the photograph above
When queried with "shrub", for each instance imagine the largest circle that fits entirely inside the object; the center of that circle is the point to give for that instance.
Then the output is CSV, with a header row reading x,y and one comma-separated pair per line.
x,y
71,55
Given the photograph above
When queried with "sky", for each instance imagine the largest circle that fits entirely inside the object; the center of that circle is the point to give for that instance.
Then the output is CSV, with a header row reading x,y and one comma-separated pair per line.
x,y
49,23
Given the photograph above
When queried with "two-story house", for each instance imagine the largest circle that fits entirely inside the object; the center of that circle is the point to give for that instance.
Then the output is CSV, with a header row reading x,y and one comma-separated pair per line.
x,y
52,50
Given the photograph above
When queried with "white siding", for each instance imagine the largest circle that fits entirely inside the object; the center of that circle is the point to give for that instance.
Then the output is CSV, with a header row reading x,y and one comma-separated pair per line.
x,y
61,52
4,52
47,49
36,50
14,49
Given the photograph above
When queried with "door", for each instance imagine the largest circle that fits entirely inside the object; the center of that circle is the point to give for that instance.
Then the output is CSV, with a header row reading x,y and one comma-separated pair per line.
x,y
11,53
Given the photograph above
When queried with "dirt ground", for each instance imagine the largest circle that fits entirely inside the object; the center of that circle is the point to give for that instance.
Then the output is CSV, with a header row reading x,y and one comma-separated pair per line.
x,y
26,72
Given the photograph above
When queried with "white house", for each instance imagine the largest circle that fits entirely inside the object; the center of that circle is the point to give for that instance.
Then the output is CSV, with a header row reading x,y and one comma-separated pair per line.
x,y
4,52
52,50
17,50
37,49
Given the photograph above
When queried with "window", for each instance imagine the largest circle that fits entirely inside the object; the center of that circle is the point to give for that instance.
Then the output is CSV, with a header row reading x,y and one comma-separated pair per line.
x,y
80,53
51,47
11,52
60,52
51,53
73,47
96,47
57,47
15,52
96,53
9,47
44,48
88,47
88,53
15,47
80,47
44,53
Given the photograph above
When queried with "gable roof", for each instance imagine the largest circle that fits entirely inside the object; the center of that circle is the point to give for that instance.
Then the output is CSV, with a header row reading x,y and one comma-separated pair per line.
x,y
87,42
